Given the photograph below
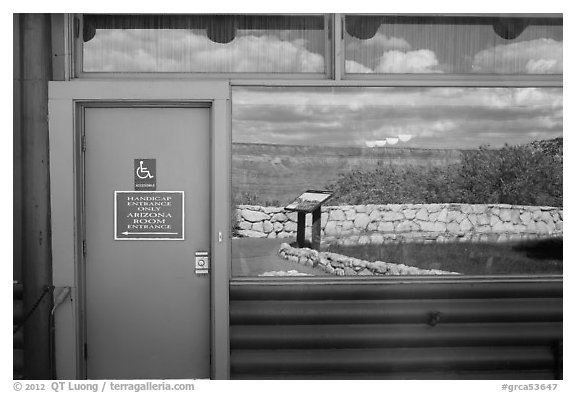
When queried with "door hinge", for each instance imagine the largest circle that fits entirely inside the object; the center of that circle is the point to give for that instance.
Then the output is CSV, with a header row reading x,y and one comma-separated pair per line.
x,y
83,142
84,248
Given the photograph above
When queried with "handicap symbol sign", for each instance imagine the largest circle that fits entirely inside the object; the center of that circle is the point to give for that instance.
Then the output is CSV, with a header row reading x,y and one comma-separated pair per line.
x,y
145,174
142,172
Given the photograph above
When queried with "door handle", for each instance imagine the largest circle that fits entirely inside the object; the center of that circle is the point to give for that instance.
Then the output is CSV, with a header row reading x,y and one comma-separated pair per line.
x,y
202,262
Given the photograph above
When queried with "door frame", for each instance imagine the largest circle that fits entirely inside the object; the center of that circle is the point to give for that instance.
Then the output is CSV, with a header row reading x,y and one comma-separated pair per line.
x,y
65,107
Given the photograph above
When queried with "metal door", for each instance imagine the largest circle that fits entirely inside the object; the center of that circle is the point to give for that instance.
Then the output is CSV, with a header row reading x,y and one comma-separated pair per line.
x,y
147,309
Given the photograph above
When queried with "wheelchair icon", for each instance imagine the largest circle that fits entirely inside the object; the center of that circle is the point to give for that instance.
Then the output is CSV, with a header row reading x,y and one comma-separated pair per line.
x,y
142,172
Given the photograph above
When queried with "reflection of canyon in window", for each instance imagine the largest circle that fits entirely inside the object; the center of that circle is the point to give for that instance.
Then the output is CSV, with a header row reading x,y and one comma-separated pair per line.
x,y
434,180
215,44
456,45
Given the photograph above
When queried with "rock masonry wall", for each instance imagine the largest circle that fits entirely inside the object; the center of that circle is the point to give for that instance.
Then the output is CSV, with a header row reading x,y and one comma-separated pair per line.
x,y
342,265
380,224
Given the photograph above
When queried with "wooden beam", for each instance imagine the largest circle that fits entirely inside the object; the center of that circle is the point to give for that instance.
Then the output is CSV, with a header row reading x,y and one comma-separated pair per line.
x,y
301,230
316,229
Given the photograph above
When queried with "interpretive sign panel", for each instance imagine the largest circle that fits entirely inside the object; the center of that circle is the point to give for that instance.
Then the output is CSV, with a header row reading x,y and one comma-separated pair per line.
x,y
148,215
309,201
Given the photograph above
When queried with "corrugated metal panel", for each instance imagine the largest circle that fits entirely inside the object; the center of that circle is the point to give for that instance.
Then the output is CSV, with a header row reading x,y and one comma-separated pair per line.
x,y
435,375
18,360
18,311
18,340
394,311
393,335
394,359
365,288
377,329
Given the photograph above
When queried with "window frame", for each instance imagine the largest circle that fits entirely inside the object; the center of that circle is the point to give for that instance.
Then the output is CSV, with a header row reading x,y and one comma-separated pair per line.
x,y
334,76
327,74
334,63
463,78
392,83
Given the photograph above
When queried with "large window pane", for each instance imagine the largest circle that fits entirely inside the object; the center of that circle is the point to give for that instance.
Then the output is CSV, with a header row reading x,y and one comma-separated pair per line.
x,y
424,180
204,43
456,45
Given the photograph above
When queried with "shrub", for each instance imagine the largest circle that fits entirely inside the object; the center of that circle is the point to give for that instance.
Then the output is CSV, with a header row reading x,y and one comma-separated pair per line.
x,y
516,175
396,184
250,198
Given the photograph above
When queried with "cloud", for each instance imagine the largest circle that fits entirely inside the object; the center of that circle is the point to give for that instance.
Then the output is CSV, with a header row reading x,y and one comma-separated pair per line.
x,y
544,66
379,43
549,122
354,67
435,117
162,51
418,61
376,143
534,98
388,55
539,56
443,126
537,97
373,102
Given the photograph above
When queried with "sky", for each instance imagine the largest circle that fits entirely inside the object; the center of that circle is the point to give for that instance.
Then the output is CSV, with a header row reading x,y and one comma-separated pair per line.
x,y
396,48
434,117
368,117
190,50
453,48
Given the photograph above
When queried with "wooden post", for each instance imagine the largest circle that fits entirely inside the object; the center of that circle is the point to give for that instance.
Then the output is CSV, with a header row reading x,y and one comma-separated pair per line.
x,y
316,229
35,73
301,230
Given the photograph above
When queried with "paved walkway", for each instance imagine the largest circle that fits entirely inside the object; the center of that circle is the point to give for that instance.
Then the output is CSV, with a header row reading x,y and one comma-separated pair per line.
x,y
251,257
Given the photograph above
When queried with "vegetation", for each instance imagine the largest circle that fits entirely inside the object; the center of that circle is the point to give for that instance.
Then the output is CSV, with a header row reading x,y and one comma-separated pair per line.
x,y
251,198
516,175
524,257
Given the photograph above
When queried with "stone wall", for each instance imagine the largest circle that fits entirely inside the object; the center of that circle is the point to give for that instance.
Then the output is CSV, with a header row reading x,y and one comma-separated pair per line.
x,y
342,265
378,224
